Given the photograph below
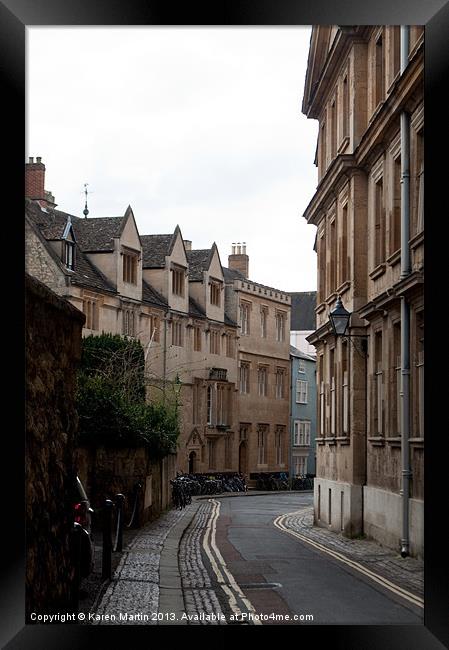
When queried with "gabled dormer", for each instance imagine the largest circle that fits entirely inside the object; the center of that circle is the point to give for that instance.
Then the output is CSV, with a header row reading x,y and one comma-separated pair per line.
x,y
113,245
69,246
206,281
129,259
165,267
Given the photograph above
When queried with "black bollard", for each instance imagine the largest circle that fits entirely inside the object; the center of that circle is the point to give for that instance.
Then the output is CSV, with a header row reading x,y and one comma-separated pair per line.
x,y
75,542
119,502
107,540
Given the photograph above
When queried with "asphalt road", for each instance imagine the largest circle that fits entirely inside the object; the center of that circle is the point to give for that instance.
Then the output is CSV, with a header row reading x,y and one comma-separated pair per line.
x,y
281,575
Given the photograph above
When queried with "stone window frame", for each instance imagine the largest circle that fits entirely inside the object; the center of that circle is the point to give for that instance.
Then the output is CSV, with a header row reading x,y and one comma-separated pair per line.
x,y
154,327
178,278
177,333
197,336
244,378
91,311
280,317
332,245
245,317
215,290
281,374
130,259
262,437
377,215
343,239
378,70
417,187
279,443
393,202
264,311
69,254
262,386
214,341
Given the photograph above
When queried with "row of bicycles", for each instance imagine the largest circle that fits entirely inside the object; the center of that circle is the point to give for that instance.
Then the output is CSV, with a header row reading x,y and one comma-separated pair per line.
x,y
185,486
280,481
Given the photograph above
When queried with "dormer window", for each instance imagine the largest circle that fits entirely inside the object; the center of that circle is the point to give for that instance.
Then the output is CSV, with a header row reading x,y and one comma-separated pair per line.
x,y
69,255
215,293
178,281
130,268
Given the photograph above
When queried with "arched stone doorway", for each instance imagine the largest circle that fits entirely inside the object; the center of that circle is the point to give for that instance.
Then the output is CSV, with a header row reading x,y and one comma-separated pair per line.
x,y
242,458
192,462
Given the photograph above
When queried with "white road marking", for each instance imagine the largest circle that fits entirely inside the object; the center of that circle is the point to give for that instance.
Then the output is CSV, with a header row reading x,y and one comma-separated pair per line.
x,y
416,600
229,586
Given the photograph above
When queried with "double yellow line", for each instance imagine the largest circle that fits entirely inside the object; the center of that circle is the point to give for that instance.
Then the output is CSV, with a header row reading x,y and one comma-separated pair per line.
x,y
224,577
399,591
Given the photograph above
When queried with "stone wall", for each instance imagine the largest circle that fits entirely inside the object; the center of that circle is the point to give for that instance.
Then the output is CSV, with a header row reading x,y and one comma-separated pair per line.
x,y
106,472
40,264
53,349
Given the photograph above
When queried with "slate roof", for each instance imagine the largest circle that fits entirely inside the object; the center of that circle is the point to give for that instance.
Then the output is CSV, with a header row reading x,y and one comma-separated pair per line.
x,y
303,315
87,275
199,261
152,296
231,274
154,250
301,355
51,223
195,310
97,233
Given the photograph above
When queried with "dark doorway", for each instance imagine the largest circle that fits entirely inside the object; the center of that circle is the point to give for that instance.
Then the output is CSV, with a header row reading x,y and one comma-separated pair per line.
x,y
192,462
242,458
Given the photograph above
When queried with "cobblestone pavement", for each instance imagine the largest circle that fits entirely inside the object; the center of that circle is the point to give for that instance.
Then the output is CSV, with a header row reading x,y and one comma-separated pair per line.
x,y
407,573
134,588
199,595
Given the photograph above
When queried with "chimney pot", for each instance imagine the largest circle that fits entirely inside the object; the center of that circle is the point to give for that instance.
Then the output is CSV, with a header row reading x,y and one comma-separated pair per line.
x,y
30,160
38,159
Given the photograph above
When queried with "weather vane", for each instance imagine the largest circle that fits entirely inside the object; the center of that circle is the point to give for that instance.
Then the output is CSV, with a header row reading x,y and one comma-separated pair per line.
x,y
85,211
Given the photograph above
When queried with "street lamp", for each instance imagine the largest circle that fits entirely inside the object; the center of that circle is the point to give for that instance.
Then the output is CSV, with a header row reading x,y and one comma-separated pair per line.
x,y
339,319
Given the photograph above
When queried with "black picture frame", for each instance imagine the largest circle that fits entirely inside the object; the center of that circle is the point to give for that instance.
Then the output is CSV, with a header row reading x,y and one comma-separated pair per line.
x,y
15,16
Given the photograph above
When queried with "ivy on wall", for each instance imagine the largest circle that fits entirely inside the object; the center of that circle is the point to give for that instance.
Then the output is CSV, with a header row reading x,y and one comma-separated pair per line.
x,y
111,404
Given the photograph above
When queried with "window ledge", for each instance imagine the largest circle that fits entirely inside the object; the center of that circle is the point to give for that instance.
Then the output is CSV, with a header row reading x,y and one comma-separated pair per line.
x,y
343,440
331,298
394,441
394,258
331,440
417,441
417,239
344,286
377,441
320,441
343,144
378,271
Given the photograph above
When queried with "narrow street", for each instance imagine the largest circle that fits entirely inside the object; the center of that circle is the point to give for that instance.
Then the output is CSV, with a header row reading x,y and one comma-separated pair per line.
x,y
256,559
262,573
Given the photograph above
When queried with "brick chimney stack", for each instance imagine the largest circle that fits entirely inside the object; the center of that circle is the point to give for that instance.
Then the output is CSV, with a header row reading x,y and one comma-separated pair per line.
x,y
35,183
239,260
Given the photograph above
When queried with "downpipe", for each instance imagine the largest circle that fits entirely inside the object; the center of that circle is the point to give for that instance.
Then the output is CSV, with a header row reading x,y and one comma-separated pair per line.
x,y
405,308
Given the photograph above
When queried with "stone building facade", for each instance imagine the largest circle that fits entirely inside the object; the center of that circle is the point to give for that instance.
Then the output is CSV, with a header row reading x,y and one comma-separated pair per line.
x,y
187,310
364,85
263,400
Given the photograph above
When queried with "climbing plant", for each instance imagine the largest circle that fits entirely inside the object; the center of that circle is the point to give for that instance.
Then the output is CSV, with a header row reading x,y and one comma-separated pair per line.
x,y
111,404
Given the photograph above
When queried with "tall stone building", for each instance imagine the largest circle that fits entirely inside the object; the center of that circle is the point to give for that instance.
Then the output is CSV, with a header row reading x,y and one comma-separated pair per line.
x,y
364,85
216,344
263,314
154,288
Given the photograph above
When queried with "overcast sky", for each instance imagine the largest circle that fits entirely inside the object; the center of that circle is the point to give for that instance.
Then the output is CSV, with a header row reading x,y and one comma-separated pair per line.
x,y
200,127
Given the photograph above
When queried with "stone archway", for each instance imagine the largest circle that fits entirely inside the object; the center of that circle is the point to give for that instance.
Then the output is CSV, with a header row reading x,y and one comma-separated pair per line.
x,y
192,462
243,458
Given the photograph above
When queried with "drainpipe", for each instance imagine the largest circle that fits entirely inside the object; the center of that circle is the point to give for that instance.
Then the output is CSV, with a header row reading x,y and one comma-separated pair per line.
x,y
164,356
405,307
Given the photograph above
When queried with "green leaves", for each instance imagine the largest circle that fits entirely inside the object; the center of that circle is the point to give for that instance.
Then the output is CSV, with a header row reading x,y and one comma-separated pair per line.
x,y
111,399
